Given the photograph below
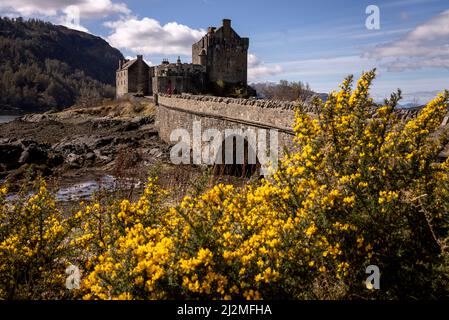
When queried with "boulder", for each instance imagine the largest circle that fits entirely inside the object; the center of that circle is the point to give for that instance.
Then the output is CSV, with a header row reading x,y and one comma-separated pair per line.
x,y
10,155
37,154
74,160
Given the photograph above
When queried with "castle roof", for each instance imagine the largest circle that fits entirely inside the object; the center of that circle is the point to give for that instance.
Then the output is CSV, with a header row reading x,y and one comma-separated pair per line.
x,y
128,64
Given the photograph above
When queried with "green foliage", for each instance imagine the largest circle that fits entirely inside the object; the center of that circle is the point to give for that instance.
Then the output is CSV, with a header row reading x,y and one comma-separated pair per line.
x,y
360,187
43,66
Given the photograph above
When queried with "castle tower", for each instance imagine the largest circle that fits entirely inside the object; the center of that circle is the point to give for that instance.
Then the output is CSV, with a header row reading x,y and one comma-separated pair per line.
x,y
224,53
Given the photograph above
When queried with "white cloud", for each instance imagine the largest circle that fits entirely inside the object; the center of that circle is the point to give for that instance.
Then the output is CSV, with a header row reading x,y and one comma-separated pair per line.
x,y
400,3
51,8
68,13
74,26
148,36
71,19
101,8
427,46
257,69
38,7
148,62
332,66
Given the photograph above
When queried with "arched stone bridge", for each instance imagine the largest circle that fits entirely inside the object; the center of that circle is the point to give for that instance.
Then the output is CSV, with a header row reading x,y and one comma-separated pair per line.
x,y
181,111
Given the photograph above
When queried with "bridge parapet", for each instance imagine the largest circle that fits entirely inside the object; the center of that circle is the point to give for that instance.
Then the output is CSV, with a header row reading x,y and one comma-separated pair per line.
x,y
181,111
263,113
408,113
257,113
261,103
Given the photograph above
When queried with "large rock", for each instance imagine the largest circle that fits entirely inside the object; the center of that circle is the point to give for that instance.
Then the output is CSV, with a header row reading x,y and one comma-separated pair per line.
x,y
37,154
75,145
10,155
74,160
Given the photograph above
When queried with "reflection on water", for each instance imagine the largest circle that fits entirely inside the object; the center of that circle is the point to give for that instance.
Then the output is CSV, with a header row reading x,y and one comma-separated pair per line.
x,y
6,119
85,190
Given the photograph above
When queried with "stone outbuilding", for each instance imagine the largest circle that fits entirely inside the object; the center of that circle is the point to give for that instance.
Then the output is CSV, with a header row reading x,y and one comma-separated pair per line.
x,y
133,76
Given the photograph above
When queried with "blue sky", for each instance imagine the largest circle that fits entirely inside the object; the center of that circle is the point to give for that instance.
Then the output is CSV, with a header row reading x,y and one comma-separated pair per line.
x,y
318,42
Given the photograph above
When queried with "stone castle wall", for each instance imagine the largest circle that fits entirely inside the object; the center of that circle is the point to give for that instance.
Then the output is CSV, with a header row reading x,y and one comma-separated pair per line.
x,y
121,83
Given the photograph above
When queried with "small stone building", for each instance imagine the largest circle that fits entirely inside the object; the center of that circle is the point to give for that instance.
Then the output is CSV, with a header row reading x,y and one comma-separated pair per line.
x,y
220,56
133,76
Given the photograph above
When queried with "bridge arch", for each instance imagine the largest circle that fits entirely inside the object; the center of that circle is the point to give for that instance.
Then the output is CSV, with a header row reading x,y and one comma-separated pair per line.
x,y
236,157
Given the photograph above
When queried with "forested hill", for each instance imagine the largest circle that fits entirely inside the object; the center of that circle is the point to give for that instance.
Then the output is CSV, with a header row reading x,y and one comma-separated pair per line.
x,y
44,66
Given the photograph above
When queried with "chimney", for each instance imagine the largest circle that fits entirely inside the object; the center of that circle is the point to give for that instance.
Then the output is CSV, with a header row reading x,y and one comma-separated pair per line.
x,y
226,23
139,57
211,30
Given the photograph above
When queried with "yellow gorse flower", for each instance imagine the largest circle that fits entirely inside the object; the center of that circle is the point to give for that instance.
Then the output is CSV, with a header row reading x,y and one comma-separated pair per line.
x,y
342,198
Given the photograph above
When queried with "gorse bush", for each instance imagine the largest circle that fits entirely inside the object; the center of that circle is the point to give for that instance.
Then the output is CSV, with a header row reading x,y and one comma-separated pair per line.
x,y
361,187
34,249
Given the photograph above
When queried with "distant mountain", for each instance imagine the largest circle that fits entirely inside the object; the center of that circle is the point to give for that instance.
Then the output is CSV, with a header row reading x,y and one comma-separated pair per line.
x,y
411,99
409,105
45,66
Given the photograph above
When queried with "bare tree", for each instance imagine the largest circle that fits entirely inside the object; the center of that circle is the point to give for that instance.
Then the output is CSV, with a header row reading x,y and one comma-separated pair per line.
x,y
287,91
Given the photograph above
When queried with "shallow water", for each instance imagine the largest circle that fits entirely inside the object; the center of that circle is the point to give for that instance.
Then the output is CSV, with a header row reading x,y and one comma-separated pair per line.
x,y
85,190
6,119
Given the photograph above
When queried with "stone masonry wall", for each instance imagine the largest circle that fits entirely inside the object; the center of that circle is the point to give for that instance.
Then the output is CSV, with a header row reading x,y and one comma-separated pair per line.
x,y
270,112
179,111
275,114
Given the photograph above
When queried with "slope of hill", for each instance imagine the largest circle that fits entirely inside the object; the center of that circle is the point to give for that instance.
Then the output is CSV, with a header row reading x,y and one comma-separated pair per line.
x,y
44,66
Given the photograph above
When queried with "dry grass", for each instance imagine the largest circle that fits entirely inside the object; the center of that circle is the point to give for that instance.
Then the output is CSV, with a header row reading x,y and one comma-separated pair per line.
x,y
125,108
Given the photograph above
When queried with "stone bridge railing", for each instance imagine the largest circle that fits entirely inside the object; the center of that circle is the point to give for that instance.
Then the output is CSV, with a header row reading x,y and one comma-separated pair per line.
x,y
259,113
180,111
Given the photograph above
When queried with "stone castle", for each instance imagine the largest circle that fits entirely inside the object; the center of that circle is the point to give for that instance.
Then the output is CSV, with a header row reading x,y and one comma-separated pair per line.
x,y
219,58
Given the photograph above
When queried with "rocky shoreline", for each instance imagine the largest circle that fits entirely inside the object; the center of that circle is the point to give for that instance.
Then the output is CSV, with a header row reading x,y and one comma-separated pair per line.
x,y
79,144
